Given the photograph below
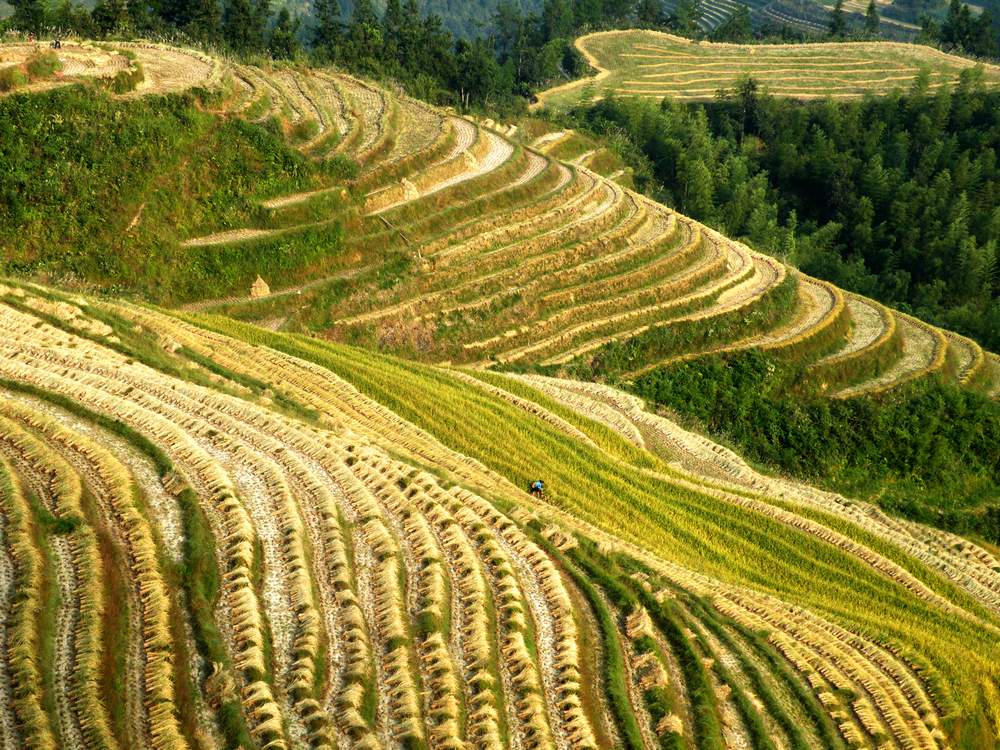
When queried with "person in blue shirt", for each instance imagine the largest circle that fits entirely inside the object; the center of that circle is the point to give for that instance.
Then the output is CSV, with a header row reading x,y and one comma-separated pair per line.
x,y
537,488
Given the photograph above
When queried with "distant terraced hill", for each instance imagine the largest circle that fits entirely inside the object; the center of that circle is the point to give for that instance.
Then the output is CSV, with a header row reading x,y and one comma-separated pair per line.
x,y
654,64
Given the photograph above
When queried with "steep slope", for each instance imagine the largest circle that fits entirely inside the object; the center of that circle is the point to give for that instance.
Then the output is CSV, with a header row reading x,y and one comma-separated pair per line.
x,y
216,535
455,243
378,579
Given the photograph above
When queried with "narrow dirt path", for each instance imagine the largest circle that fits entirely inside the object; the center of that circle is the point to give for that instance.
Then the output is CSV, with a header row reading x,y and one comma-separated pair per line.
x,y
210,303
8,724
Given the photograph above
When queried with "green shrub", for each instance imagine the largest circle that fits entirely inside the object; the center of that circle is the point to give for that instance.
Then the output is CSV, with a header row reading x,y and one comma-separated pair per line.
x,y
127,80
304,130
191,172
11,78
926,450
42,65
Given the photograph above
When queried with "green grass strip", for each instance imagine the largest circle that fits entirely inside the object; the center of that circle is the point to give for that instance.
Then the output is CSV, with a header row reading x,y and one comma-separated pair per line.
x,y
614,660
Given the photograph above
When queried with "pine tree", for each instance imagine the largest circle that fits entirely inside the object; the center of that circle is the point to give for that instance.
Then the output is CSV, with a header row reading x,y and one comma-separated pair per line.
x,y
650,13
242,26
557,19
364,36
261,17
871,19
685,17
111,16
364,14
411,33
478,73
737,28
393,18
328,29
203,19
67,17
838,24
29,15
283,43
748,99
392,25
955,29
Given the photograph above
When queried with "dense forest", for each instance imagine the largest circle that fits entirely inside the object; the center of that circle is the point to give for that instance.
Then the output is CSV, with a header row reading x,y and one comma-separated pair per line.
x,y
926,451
464,18
893,197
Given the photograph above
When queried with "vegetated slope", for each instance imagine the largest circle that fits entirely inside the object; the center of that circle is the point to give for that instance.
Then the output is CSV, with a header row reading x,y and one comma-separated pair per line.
x,y
454,243
288,543
510,257
655,64
115,178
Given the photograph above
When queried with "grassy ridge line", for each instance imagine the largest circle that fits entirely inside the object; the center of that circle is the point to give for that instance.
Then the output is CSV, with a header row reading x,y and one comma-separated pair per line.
x,y
614,675
459,426
601,72
625,595
860,534
818,337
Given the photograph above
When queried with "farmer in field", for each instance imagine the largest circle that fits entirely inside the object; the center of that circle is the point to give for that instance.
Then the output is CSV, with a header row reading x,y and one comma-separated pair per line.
x,y
537,489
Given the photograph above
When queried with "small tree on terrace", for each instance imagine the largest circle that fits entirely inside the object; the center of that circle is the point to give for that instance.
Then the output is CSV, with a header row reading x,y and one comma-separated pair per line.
x,y
748,100
838,24
871,19
685,17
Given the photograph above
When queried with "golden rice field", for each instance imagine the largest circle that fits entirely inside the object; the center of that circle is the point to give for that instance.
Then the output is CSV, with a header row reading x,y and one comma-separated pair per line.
x,y
222,535
657,65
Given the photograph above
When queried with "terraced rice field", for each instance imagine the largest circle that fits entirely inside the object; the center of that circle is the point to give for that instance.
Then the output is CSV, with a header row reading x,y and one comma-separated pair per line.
x,y
274,556
657,65
214,535
521,259
165,69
